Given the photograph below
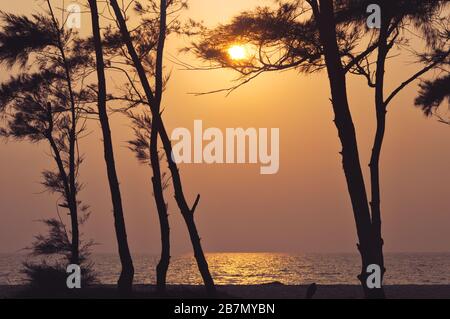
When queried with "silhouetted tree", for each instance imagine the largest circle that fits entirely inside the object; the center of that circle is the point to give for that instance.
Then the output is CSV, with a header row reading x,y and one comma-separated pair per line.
x,y
153,96
126,276
313,35
45,106
399,21
145,144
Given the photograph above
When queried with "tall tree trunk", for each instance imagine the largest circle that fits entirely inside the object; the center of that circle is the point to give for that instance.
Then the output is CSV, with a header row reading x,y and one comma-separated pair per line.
x,y
187,213
72,200
163,265
126,276
73,203
346,130
374,165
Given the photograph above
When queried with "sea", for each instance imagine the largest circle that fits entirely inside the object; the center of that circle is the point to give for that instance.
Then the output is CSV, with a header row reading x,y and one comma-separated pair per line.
x,y
260,268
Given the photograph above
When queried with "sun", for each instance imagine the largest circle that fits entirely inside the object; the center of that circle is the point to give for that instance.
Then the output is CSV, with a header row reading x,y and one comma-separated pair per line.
x,y
237,52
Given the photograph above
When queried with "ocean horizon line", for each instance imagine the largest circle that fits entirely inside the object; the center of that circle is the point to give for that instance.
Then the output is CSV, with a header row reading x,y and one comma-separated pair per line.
x,y
181,254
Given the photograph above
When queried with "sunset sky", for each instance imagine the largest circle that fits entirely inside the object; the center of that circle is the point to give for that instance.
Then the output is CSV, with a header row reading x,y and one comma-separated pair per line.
x,y
303,208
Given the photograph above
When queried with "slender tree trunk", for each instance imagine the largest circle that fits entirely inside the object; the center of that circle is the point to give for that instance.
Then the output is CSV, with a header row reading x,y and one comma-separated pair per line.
x,y
344,124
60,165
73,203
72,200
187,213
74,258
374,165
381,105
126,276
163,265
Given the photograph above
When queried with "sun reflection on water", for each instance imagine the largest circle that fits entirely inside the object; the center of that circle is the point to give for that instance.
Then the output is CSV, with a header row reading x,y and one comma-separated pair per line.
x,y
248,268
261,268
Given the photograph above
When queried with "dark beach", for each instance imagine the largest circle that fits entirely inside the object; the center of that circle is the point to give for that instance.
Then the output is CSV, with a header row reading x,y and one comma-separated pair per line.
x,y
269,291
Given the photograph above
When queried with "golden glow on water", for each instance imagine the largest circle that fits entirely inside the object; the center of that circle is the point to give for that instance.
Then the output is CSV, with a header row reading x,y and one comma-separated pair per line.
x,y
249,268
260,268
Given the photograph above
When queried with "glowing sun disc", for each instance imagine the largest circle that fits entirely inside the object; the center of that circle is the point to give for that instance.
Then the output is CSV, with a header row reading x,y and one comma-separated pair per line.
x,y
237,52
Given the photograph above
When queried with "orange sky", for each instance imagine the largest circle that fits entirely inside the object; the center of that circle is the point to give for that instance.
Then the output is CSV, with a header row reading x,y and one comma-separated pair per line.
x,y
304,208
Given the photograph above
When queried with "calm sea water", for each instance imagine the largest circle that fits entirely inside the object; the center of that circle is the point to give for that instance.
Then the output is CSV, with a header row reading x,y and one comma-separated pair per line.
x,y
259,268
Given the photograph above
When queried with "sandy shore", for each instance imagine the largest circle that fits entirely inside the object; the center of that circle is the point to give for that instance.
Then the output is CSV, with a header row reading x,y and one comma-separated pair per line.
x,y
275,291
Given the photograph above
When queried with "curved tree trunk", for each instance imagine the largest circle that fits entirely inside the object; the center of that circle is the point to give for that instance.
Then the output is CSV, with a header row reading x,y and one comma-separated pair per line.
x,y
126,276
350,156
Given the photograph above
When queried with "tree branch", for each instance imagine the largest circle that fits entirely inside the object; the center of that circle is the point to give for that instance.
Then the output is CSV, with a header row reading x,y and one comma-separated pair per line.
x,y
415,77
